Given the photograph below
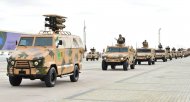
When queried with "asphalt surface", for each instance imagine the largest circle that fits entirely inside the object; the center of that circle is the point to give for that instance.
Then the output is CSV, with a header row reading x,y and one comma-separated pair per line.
x,y
163,82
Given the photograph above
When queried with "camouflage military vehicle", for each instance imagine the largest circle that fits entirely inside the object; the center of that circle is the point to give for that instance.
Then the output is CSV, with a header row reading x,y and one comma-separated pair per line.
x,y
46,56
145,54
162,54
179,53
186,52
92,55
118,55
168,53
174,53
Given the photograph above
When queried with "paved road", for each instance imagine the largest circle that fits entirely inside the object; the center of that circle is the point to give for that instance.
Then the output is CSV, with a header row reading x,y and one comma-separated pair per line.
x,y
163,82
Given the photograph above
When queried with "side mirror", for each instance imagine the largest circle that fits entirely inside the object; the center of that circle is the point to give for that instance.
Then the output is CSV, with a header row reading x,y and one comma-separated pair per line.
x,y
16,42
60,42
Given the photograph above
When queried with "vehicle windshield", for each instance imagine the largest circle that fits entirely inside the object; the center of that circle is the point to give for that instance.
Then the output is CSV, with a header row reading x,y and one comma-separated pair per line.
x,y
159,51
144,50
26,41
43,41
115,49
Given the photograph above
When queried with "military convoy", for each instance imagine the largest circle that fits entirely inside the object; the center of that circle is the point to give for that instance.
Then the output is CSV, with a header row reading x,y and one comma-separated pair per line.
x,y
56,53
47,55
119,55
92,55
145,54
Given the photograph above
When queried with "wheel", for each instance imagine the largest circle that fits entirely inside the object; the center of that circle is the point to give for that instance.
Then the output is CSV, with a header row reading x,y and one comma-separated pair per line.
x,y
149,62
75,76
139,62
164,60
15,80
125,66
175,57
153,62
42,79
51,77
132,66
112,66
97,59
170,58
86,59
104,65
135,62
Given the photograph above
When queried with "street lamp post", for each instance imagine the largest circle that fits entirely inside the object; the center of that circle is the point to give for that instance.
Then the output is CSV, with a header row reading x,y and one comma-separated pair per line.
x,y
159,35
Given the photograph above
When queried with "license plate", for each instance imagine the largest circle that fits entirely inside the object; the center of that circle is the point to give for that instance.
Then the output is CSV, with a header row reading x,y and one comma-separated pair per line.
x,y
22,72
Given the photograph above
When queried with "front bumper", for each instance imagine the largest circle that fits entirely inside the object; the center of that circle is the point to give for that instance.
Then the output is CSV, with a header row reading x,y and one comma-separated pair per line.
x,y
25,68
142,58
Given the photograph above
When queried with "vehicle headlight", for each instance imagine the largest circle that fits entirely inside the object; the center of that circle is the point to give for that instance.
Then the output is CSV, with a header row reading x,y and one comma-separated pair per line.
x,y
121,58
36,63
12,63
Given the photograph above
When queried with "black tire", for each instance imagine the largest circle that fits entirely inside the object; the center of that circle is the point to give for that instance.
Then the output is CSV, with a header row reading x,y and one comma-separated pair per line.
x,y
51,77
132,66
170,58
153,62
139,62
97,59
175,57
164,60
125,66
87,59
112,66
42,79
149,62
104,65
135,62
15,80
75,76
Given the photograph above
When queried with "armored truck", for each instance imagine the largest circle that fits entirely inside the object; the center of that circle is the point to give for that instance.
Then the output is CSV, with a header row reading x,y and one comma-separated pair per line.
x,y
174,53
46,56
145,54
161,54
168,53
92,55
179,53
119,55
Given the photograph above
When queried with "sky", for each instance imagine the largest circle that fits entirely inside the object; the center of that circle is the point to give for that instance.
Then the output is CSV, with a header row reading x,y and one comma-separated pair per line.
x,y
136,20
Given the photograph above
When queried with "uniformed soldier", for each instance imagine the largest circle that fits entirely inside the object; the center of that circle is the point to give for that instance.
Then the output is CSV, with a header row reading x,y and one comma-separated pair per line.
x,y
121,40
145,44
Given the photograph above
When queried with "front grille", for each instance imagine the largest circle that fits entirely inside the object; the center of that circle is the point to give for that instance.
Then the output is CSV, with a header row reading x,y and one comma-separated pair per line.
x,y
22,64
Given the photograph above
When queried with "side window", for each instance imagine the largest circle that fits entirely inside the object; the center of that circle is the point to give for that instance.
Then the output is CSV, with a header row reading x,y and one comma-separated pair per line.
x,y
75,43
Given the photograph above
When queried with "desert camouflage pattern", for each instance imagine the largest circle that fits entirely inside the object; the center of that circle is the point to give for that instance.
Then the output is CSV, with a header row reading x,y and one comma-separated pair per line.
x,y
145,54
92,55
186,52
160,54
112,57
62,57
179,53
119,55
174,53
